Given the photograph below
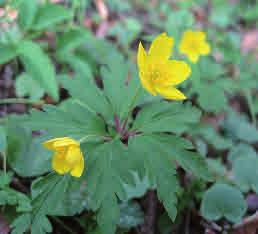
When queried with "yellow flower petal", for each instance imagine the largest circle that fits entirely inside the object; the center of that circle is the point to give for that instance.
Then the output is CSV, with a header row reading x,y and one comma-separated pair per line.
x,y
73,155
59,164
142,61
78,168
178,71
141,56
170,93
56,143
193,45
205,49
161,47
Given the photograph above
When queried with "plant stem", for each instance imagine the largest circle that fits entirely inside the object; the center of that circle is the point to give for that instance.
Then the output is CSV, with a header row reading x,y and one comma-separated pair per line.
x,y
4,161
20,101
249,100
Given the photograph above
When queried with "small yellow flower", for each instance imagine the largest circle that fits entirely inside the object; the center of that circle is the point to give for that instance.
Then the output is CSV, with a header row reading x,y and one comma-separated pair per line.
x,y
193,44
157,73
68,157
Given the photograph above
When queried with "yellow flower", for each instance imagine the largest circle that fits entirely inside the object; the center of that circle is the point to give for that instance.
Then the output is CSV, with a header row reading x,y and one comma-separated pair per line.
x,y
67,157
193,45
157,73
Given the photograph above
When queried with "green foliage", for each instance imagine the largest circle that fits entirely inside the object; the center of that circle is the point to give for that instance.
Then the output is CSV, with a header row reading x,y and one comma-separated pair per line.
x,y
222,200
26,86
3,140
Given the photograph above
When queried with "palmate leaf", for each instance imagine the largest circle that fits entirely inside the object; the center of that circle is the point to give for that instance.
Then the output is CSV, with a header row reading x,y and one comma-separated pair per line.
x,y
159,153
108,166
77,121
165,117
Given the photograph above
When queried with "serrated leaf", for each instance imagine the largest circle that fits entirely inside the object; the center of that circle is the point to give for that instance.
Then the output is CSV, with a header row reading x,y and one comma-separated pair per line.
x,y
26,86
72,39
115,75
161,169
47,192
131,215
39,66
26,156
27,13
237,127
108,167
241,150
222,200
8,52
21,224
49,15
165,117
92,98
76,122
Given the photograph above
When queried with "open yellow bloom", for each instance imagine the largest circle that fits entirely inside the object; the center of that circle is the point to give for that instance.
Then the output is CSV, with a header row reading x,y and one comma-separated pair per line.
x,y
68,157
193,44
157,73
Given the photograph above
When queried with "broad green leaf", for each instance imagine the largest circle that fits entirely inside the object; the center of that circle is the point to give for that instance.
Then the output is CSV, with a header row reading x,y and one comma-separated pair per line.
x,y
27,13
47,192
241,150
72,39
209,99
211,136
5,179
49,15
21,224
131,215
38,66
75,121
237,127
245,171
92,98
222,200
8,52
119,82
26,155
165,117
26,86
139,187
3,140
160,169
108,167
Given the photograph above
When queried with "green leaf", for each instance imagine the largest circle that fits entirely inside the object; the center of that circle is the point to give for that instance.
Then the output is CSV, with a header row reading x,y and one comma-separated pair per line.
x,y
115,74
160,169
131,215
8,52
222,200
21,224
27,13
75,121
237,127
26,155
241,150
49,15
72,39
165,117
209,99
139,187
26,86
47,192
3,140
92,98
245,171
38,66
108,168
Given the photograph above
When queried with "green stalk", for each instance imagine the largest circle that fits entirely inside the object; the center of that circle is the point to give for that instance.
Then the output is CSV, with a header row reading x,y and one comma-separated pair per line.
x,y
20,101
249,100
